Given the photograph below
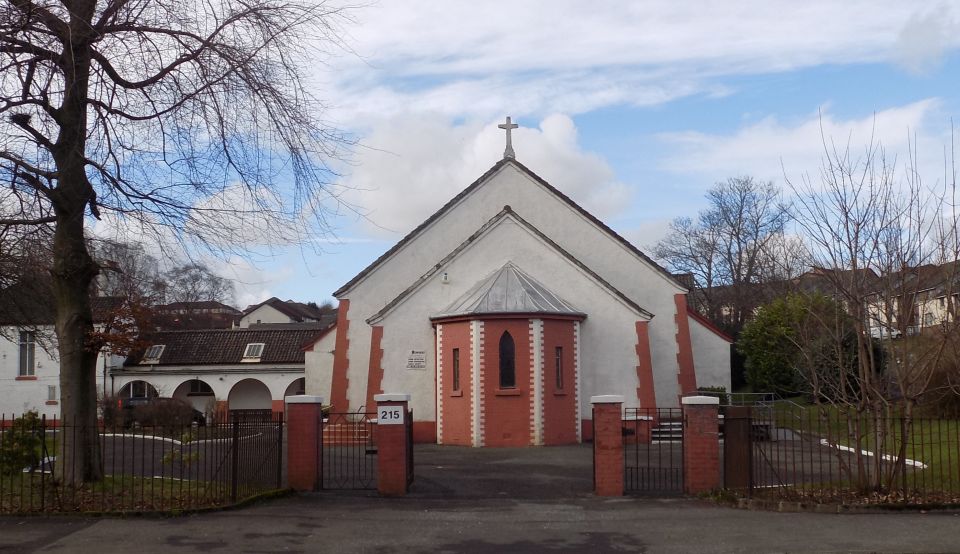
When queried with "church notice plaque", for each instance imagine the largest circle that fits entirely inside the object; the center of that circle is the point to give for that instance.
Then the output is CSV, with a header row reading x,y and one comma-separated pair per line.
x,y
417,359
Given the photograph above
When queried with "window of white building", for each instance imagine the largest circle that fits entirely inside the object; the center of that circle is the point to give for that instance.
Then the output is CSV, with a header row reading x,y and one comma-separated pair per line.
x,y
28,354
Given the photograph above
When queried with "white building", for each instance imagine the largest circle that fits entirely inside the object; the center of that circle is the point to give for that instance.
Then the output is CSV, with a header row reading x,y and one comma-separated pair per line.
x,y
505,311
216,370
276,311
29,368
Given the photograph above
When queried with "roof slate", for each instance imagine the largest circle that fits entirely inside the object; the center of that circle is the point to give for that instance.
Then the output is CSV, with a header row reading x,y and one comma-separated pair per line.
x,y
226,346
508,290
32,303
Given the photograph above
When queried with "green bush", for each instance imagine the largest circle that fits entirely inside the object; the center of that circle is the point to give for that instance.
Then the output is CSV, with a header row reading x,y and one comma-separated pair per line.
x,y
20,445
111,411
719,392
799,340
170,416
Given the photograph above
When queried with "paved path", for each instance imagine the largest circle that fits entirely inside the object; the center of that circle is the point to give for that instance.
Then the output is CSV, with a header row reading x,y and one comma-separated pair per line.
x,y
504,501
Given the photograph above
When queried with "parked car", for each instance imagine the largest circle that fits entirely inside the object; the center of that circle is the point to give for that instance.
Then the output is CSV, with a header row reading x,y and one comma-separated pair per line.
x,y
156,411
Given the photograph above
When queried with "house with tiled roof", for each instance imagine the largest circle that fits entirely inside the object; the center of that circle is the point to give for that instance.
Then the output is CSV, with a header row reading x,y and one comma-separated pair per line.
x,y
29,366
506,310
275,311
216,370
204,314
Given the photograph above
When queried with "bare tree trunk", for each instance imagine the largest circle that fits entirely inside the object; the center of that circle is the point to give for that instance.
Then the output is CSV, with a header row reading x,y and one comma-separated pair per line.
x,y
79,450
73,273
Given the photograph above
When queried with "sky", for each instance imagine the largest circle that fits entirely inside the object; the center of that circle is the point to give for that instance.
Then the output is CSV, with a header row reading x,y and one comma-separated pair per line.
x,y
634,109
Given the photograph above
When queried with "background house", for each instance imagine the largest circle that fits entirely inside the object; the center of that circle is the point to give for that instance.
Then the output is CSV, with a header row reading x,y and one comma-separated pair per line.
x,y
276,311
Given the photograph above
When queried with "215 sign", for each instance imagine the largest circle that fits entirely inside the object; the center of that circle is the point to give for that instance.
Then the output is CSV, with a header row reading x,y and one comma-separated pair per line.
x,y
390,415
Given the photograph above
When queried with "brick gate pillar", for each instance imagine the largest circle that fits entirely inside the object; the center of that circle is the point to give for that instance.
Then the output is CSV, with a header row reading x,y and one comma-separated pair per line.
x,y
701,444
607,445
392,444
303,441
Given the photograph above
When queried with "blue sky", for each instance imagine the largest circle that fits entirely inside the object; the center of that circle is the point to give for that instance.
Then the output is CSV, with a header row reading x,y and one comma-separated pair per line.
x,y
633,109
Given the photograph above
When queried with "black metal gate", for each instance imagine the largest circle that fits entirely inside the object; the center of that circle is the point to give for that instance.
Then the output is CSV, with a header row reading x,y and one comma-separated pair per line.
x,y
409,425
653,451
347,451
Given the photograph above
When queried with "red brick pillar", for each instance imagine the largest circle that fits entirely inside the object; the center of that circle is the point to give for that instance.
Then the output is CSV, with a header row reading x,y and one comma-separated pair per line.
x,y
701,444
607,445
392,453
303,441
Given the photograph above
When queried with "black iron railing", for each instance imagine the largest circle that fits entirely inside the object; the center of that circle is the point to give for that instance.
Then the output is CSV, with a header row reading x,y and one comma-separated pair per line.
x,y
166,466
348,451
653,450
409,425
832,453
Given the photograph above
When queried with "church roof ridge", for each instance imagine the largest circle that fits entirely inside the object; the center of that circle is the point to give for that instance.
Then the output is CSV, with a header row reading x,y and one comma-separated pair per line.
x,y
508,212
473,186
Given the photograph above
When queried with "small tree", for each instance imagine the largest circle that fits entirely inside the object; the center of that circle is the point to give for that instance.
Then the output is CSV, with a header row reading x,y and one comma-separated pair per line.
x,y
20,445
886,239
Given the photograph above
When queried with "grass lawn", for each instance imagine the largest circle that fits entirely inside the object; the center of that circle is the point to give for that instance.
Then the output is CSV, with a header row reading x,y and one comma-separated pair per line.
x,y
36,492
932,442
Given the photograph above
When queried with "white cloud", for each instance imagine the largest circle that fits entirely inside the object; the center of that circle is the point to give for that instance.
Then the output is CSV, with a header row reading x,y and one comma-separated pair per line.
x,y
414,164
542,56
769,148
924,39
254,283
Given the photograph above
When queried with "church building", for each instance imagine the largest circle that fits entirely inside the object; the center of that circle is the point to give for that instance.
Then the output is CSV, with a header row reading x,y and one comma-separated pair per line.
x,y
505,311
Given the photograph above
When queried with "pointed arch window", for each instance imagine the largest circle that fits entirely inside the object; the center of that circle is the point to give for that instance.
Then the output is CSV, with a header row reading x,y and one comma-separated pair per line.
x,y
508,368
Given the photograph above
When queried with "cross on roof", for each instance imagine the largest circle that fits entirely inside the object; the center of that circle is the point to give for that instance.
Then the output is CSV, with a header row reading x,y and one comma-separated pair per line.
x,y
508,126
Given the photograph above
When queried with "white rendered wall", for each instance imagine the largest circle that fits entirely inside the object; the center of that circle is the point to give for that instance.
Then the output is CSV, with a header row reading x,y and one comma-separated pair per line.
x,y
509,186
265,314
220,378
711,356
607,337
19,396
319,366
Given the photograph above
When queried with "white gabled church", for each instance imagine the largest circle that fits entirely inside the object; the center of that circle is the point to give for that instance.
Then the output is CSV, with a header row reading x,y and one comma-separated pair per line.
x,y
505,311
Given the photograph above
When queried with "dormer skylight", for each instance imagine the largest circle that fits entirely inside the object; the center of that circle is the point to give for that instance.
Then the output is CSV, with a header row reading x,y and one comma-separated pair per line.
x,y
152,355
253,352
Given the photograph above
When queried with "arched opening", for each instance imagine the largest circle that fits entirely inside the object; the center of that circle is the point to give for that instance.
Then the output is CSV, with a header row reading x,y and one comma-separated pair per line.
x,y
138,389
250,394
198,394
508,368
296,388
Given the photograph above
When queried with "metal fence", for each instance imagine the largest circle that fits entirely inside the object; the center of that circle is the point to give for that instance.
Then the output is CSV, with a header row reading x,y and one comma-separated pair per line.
x,y
348,451
409,429
163,467
835,454
653,450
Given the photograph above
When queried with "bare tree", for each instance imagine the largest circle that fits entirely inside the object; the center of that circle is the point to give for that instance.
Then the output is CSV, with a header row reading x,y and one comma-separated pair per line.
x,y
729,249
195,282
169,117
889,249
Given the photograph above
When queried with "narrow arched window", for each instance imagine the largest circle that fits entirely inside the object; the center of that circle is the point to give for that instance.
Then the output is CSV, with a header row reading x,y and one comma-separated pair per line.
x,y
508,371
